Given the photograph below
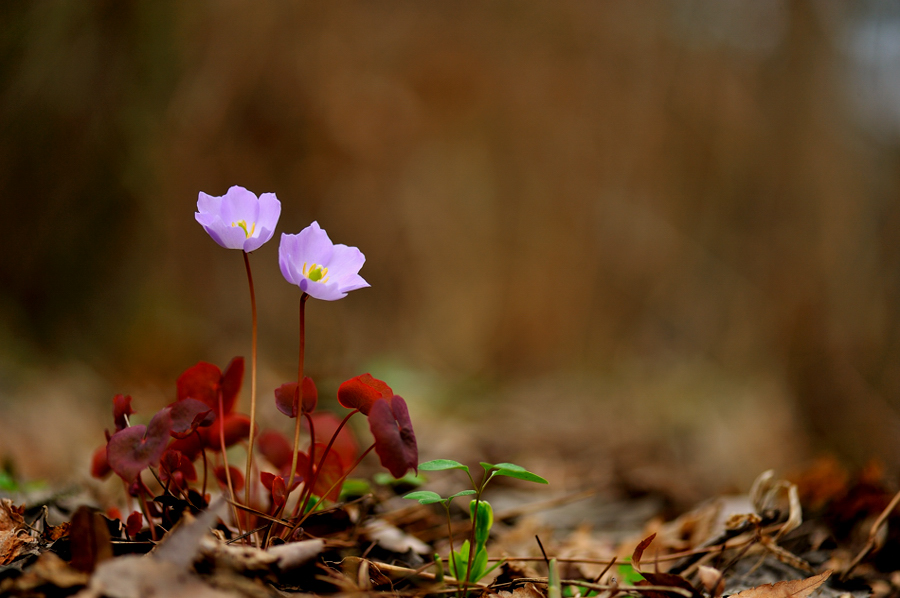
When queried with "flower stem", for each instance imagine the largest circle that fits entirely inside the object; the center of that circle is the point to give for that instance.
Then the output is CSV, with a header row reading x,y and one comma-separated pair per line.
x,y
247,478
303,299
340,480
221,422
307,492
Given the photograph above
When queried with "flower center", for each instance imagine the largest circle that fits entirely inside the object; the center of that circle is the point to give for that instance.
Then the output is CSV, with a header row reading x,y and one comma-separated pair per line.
x,y
243,225
315,273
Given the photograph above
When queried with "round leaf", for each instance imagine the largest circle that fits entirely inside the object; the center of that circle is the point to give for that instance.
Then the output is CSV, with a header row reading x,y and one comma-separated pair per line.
x,y
441,465
425,497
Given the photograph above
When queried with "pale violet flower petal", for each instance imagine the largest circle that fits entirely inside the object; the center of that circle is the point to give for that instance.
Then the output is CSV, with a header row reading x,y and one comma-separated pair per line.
x,y
313,245
238,220
321,269
269,212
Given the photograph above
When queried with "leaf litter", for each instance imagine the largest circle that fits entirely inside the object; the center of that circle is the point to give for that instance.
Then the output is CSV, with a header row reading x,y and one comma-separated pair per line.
x,y
826,533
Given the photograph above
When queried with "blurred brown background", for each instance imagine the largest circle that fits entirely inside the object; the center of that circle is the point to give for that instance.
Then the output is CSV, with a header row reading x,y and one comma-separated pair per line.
x,y
665,223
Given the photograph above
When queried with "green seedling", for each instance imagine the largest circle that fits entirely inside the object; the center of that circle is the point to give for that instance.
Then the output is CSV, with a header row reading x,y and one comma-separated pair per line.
x,y
469,565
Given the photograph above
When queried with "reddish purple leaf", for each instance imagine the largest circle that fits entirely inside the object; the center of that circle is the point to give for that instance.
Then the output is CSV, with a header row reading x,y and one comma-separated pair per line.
x,y
200,382
344,445
237,478
99,464
326,478
231,383
395,441
362,391
302,468
190,447
310,395
274,447
188,415
237,428
175,467
288,401
121,408
135,448
134,524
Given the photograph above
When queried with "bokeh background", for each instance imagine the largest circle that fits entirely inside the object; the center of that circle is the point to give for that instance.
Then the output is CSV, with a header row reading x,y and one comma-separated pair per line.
x,y
643,241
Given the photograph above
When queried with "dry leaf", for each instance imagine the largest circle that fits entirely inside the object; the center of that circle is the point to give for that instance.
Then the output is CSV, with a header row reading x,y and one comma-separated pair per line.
x,y
639,552
15,537
529,590
796,588
48,569
393,538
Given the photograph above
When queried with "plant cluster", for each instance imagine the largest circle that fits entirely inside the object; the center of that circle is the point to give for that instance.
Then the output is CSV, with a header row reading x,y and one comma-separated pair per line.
x,y
203,423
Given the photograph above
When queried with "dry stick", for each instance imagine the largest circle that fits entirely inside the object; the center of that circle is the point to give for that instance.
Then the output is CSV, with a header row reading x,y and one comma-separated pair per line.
x,y
872,535
247,477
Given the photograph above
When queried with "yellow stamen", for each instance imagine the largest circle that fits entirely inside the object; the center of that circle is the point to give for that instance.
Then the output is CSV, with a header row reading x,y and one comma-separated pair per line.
x,y
243,225
315,273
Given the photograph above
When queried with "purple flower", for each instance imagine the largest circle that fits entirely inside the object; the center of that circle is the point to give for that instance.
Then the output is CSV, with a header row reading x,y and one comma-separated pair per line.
x,y
237,220
319,267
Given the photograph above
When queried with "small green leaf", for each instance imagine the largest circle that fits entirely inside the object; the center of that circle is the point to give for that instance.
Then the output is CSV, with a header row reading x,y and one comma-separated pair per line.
x,y
517,471
409,479
425,497
462,493
441,465
487,466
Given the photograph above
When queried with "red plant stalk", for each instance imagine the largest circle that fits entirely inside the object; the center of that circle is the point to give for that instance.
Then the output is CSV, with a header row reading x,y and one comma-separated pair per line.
x,y
234,511
307,491
339,481
303,299
248,477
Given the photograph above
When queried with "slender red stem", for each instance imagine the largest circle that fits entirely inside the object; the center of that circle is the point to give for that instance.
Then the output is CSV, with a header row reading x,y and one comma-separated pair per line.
x,y
247,477
307,491
303,299
237,519
339,481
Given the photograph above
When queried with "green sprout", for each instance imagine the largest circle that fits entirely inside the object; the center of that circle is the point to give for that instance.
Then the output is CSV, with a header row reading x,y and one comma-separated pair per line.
x,y
468,565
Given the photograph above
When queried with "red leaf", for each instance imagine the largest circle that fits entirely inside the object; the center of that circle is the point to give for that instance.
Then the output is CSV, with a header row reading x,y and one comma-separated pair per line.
x,y
332,470
99,464
274,447
302,468
174,466
279,491
231,383
362,391
190,447
289,403
237,428
200,382
310,395
237,478
395,441
121,408
134,524
188,415
286,399
133,449
344,445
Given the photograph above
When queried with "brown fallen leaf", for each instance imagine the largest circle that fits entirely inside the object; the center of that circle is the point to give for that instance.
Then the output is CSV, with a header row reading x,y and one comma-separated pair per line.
x,y
15,537
529,590
795,588
47,570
